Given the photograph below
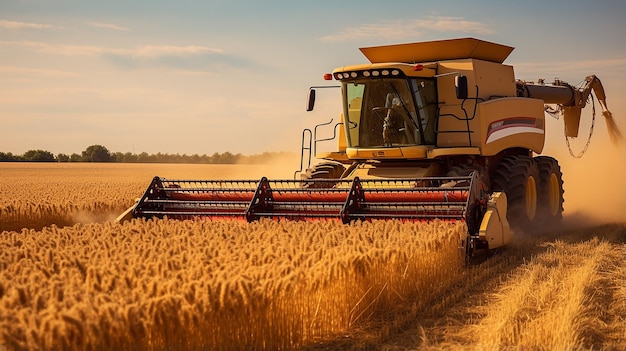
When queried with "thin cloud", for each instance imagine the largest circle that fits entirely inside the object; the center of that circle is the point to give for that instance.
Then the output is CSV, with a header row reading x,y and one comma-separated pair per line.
x,y
35,71
23,25
57,49
192,56
153,51
405,28
455,24
188,58
170,50
107,26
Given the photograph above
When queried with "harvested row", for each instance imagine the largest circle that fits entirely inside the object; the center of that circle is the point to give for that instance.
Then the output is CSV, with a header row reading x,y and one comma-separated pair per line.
x,y
217,285
569,296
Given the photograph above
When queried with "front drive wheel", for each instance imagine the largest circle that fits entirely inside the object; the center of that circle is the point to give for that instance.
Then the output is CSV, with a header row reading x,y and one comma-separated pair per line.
x,y
550,190
518,177
321,171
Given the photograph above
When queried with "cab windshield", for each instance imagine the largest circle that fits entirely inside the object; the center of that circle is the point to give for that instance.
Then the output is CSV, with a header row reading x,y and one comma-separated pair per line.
x,y
390,112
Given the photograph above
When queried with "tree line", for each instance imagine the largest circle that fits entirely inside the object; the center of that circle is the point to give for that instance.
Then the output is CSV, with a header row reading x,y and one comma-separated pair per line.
x,y
99,153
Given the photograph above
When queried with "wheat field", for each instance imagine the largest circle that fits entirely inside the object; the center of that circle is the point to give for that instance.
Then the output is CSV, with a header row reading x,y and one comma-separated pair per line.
x,y
36,195
72,279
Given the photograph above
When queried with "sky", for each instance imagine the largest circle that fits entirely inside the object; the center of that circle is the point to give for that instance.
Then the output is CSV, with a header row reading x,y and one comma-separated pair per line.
x,y
206,76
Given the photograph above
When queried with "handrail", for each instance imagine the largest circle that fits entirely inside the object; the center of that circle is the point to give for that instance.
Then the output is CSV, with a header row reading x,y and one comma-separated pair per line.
x,y
303,148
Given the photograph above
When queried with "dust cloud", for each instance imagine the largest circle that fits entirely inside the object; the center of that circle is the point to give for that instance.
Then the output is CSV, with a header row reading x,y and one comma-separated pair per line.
x,y
279,166
614,131
594,184
84,217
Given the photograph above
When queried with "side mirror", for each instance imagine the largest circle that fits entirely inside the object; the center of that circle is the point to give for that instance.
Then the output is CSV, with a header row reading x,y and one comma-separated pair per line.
x,y
460,85
310,100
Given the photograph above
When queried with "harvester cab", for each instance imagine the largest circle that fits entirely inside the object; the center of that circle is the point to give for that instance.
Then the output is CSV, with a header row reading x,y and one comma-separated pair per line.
x,y
430,130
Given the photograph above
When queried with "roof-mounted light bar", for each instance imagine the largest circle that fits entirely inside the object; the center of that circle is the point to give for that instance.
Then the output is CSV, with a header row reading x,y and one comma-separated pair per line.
x,y
392,72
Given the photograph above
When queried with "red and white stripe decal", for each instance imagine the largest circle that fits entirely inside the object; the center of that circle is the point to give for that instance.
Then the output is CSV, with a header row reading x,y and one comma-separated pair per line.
x,y
515,125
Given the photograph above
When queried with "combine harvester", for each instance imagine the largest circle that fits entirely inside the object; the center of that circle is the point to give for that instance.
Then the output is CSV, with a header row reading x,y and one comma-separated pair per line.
x,y
430,130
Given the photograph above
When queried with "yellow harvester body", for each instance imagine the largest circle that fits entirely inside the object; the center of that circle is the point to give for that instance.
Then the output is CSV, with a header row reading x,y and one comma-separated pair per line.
x,y
430,130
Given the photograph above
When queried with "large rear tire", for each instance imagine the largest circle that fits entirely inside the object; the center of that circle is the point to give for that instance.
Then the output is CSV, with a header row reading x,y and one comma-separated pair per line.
x,y
550,191
518,177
